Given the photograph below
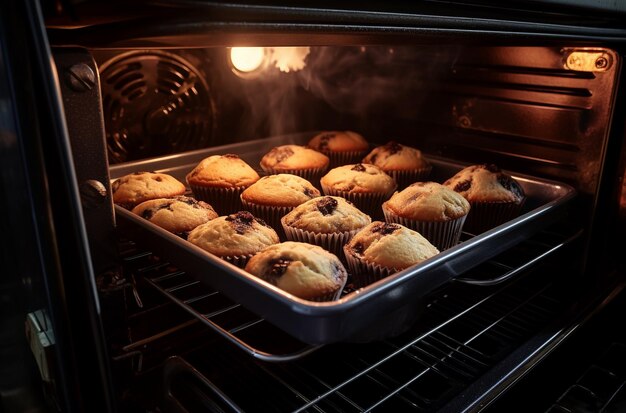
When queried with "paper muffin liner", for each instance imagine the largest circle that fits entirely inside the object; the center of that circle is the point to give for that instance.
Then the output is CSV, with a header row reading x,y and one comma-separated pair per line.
x,y
270,214
486,215
405,178
313,175
442,234
344,158
224,200
332,242
237,260
370,203
364,272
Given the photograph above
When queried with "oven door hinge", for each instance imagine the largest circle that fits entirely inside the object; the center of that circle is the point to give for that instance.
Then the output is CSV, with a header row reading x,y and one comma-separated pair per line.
x,y
41,339
588,60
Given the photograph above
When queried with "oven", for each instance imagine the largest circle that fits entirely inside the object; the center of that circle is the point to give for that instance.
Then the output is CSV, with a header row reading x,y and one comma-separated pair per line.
x,y
103,311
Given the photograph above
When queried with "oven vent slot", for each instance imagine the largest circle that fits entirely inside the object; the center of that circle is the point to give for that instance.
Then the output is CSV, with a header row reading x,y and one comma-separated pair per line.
x,y
474,330
248,332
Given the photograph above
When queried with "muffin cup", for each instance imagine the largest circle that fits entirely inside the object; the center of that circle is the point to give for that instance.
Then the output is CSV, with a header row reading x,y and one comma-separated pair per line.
x,y
364,272
313,175
370,203
405,178
335,295
270,214
486,215
224,200
332,242
237,260
442,234
344,158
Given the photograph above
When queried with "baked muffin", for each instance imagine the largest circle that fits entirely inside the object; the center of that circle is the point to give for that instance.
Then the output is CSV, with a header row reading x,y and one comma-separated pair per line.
x,y
494,197
342,147
235,237
366,186
179,215
273,196
220,180
430,208
295,160
381,249
135,188
327,221
404,163
304,270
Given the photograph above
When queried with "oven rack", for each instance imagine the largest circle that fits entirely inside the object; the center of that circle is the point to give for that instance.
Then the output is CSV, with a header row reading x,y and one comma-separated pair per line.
x,y
407,373
601,388
247,331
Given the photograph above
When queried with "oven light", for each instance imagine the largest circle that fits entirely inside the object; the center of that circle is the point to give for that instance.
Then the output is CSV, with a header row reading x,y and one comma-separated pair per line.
x,y
247,59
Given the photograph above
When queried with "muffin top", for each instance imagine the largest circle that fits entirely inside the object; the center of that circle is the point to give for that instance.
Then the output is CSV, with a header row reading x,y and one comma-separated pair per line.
x,y
390,245
427,201
359,178
178,215
280,190
141,186
288,157
486,183
326,214
222,171
304,270
338,141
395,157
236,234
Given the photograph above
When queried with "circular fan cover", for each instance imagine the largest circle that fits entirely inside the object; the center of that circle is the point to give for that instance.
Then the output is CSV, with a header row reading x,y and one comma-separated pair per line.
x,y
154,103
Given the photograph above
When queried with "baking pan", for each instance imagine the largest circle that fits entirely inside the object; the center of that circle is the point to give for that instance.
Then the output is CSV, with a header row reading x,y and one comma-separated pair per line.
x,y
382,309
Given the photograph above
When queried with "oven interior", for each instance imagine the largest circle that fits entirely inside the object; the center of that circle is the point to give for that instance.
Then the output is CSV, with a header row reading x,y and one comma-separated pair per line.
x,y
540,108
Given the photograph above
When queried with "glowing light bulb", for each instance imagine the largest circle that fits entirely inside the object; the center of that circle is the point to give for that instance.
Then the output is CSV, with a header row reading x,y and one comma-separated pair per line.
x,y
247,59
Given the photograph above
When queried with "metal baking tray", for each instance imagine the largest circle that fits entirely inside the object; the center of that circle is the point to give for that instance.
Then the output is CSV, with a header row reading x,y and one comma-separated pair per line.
x,y
379,310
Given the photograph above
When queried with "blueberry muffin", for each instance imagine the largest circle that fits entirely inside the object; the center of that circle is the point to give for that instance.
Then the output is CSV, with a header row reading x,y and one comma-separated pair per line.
x,y
494,196
235,237
295,160
327,221
366,186
404,163
273,196
342,147
220,180
179,215
133,189
381,249
304,270
430,208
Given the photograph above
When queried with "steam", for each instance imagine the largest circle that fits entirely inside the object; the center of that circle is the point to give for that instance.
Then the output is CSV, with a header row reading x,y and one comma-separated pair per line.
x,y
356,81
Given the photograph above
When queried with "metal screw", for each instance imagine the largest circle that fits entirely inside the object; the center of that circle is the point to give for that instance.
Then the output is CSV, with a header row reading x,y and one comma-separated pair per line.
x,y
602,62
81,77
464,121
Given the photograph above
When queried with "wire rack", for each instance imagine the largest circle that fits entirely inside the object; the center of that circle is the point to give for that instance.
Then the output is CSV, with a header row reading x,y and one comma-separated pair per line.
x,y
472,332
260,339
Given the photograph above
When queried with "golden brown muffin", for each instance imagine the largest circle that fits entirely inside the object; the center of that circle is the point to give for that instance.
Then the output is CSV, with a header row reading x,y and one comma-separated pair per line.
x,y
235,237
365,185
342,147
304,270
327,221
404,163
494,197
295,160
135,188
273,196
381,249
179,215
220,180
432,209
